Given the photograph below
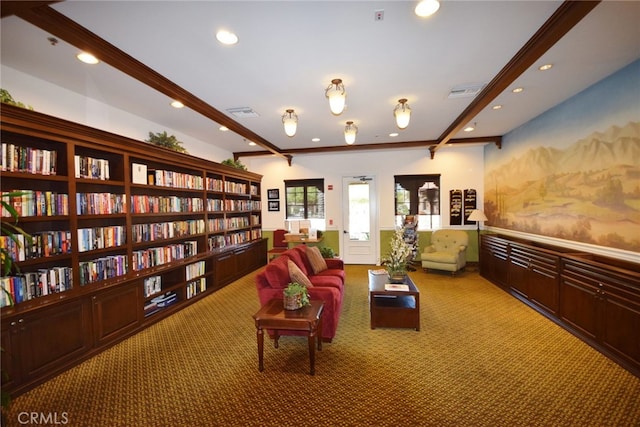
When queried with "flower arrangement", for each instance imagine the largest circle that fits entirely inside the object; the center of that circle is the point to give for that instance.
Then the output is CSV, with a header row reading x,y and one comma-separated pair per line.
x,y
397,259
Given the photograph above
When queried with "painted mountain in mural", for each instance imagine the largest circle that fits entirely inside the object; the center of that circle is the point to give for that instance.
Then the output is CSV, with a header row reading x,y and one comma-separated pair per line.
x,y
588,192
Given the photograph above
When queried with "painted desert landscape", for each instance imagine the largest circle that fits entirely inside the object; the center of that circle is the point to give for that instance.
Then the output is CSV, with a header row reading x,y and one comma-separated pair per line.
x,y
587,192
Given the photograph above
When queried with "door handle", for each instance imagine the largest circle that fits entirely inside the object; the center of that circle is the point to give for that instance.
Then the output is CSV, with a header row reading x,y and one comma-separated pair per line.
x,y
345,232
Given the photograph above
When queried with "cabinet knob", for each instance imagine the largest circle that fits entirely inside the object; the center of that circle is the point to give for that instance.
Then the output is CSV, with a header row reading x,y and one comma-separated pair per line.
x,y
13,323
21,321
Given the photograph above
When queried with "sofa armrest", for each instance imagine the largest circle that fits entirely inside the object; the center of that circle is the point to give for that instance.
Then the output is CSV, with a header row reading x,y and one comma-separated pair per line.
x,y
335,263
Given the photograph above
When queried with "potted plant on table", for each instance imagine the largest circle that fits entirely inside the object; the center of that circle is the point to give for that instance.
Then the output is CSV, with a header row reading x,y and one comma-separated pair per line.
x,y
396,261
295,296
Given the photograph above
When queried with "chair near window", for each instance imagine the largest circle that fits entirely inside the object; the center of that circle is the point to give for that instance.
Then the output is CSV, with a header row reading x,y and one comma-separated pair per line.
x,y
448,251
279,244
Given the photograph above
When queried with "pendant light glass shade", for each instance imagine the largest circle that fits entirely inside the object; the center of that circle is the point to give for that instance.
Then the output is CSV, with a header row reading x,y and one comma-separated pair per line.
x,y
336,95
350,131
290,121
402,113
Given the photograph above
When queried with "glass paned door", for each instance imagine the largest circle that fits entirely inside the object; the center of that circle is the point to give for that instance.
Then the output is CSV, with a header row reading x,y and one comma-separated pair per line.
x,y
360,219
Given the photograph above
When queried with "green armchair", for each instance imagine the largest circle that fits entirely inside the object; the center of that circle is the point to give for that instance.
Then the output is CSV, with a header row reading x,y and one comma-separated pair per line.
x,y
448,251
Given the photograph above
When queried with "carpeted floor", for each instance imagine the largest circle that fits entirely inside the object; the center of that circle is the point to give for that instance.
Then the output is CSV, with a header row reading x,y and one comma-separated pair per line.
x,y
481,358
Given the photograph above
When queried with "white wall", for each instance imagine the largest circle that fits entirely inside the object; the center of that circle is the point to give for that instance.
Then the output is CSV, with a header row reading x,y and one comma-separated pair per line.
x,y
460,168
55,101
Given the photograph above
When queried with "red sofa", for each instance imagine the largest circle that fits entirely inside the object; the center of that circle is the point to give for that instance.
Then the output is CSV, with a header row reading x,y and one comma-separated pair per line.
x,y
328,286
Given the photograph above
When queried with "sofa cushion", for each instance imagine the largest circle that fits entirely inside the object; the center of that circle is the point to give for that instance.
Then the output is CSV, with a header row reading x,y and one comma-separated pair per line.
x,y
297,276
299,256
277,272
318,264
322,280
330,272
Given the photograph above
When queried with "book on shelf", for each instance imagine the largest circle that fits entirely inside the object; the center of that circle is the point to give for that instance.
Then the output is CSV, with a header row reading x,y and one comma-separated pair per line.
x,y
396,287
91,168
152,285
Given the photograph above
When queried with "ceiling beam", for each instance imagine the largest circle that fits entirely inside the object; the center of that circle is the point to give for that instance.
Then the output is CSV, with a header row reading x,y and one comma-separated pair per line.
x,y
8,8
557,26
68,30
377,146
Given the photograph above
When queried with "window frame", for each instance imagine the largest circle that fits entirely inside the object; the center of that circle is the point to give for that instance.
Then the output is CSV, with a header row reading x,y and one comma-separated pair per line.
x,y
411,184
305,184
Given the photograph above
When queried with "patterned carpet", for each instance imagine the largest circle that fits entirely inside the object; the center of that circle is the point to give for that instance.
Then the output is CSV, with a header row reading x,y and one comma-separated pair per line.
x,y
481,359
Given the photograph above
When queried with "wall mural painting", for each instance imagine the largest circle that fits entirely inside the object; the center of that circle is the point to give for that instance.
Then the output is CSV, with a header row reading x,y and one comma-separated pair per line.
x,y
586,191
573,172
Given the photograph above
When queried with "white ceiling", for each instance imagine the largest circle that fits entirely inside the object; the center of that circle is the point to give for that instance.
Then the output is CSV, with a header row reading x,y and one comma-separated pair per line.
x,y
290,50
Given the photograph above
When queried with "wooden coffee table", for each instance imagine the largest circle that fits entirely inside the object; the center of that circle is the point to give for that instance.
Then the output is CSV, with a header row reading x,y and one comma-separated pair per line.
x,y
273,316
393,308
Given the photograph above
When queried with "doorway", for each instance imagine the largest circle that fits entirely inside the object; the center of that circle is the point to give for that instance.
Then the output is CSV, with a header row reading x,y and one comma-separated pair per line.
x,y
360,220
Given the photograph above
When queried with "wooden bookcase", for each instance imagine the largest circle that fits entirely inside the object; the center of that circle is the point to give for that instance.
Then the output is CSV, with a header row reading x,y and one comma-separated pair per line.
x,y
125,234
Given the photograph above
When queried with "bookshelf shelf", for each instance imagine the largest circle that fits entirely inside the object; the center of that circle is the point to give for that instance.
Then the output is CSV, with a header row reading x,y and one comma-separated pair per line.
x,y
113,216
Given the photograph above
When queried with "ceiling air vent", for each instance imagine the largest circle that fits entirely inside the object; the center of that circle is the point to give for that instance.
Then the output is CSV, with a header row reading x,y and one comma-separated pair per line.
x,y
242,112
466,91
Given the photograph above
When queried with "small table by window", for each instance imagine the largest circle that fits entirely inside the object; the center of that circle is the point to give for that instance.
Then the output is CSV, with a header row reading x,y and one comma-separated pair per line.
x,y
273,316
300,238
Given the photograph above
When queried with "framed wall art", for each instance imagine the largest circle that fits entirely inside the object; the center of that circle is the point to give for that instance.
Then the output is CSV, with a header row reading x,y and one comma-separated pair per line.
x,y
274,205
273,194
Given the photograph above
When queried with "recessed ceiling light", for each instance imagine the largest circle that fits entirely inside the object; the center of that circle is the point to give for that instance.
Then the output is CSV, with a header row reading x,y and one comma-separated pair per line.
x,y
251,143
427,8
315,139
394,134
496,107
470,128
517,90
226,37
177,104
545,67
223,128
87,58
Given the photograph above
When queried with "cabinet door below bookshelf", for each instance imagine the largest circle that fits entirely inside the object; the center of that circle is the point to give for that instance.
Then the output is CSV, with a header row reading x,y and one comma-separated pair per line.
x,y
116,312
41,343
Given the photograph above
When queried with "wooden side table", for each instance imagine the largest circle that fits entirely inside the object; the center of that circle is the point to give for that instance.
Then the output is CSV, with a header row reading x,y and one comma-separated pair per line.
x,y
273,316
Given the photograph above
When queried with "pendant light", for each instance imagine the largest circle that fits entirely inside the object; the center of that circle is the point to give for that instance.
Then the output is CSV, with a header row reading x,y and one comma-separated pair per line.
x,y
350,131
402,113
290,121
336,94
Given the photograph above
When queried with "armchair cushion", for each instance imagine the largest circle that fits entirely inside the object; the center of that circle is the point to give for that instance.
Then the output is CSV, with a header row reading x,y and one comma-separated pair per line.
x,y
446,257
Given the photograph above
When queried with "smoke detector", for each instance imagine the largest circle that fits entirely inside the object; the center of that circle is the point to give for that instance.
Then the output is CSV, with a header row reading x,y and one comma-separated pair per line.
x,y
242,112
466,91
